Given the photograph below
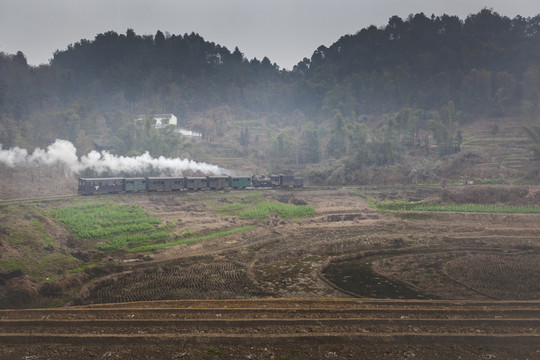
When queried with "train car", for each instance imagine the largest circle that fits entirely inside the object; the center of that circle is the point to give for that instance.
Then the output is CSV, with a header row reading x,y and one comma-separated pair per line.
x,y
286,180
135,184
275,180
165,183
93,186
217,182
239,182
196,183
90,186
261,181
281,180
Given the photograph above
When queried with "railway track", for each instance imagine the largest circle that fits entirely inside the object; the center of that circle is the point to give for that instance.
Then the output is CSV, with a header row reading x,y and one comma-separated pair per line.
x,y
280,325
37,199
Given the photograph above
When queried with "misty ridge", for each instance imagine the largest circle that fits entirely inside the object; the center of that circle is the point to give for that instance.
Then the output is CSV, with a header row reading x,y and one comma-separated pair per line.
x,y
396,94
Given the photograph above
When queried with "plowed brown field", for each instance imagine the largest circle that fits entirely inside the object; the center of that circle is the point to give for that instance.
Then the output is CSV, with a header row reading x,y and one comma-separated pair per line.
x,y
276,329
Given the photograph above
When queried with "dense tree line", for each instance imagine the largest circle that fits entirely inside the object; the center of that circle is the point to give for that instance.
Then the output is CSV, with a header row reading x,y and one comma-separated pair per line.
x,y
483,64
417,78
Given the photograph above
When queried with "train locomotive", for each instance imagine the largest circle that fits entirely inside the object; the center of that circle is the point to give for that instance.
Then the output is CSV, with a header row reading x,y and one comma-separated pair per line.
x,y
94,186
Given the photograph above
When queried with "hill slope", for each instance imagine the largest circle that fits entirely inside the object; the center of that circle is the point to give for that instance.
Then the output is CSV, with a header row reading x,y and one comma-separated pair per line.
x,y
384,97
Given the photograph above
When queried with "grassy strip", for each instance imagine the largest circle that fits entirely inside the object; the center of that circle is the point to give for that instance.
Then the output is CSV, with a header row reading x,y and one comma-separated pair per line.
x,y
241,201
369,199
190,240
231,207
266,208
47,239
122,241
473,208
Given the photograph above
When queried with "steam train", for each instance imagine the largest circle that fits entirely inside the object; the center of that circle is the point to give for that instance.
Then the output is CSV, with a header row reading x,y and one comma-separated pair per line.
x,y
92,186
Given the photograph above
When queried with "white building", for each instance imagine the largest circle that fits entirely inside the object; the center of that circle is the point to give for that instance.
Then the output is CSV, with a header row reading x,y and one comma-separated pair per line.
x,y
161,120
164,120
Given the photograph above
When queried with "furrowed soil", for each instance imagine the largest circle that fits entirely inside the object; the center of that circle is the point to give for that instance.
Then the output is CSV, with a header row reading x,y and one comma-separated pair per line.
x,y
347,282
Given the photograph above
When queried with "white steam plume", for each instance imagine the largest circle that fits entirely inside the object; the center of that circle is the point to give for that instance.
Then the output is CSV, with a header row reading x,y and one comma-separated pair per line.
x,y
64,153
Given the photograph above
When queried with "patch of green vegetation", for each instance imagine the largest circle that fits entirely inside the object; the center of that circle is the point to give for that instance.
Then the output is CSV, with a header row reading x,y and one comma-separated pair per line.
x,y
118,225
254,206
47,267
122,241
476,208
90,221
11,265
226,209
193,239
78,269
44,232
56,262
33,250
17,237
267,208
22,226
235,201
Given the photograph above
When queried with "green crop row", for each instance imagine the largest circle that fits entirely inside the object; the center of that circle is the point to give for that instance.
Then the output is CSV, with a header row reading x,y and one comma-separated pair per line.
x,y
100,210
104,219
267,208
116,225
474,208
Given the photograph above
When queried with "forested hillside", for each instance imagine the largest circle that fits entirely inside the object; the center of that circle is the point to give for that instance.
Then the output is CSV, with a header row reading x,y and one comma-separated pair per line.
x,y
397,94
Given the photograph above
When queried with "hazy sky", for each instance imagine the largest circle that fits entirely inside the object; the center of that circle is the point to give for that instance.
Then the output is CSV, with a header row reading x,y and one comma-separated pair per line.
x,y
285,31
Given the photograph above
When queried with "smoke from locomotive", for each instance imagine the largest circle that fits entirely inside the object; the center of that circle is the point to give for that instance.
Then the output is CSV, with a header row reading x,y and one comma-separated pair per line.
x,y
64,153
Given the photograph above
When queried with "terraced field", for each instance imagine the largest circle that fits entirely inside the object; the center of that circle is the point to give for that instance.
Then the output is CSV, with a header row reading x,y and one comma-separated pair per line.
x,y
315,287
276,329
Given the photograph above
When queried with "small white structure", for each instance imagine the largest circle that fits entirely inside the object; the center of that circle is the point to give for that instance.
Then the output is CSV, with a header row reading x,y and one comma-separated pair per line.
x,y
161,120
189,133
164,120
